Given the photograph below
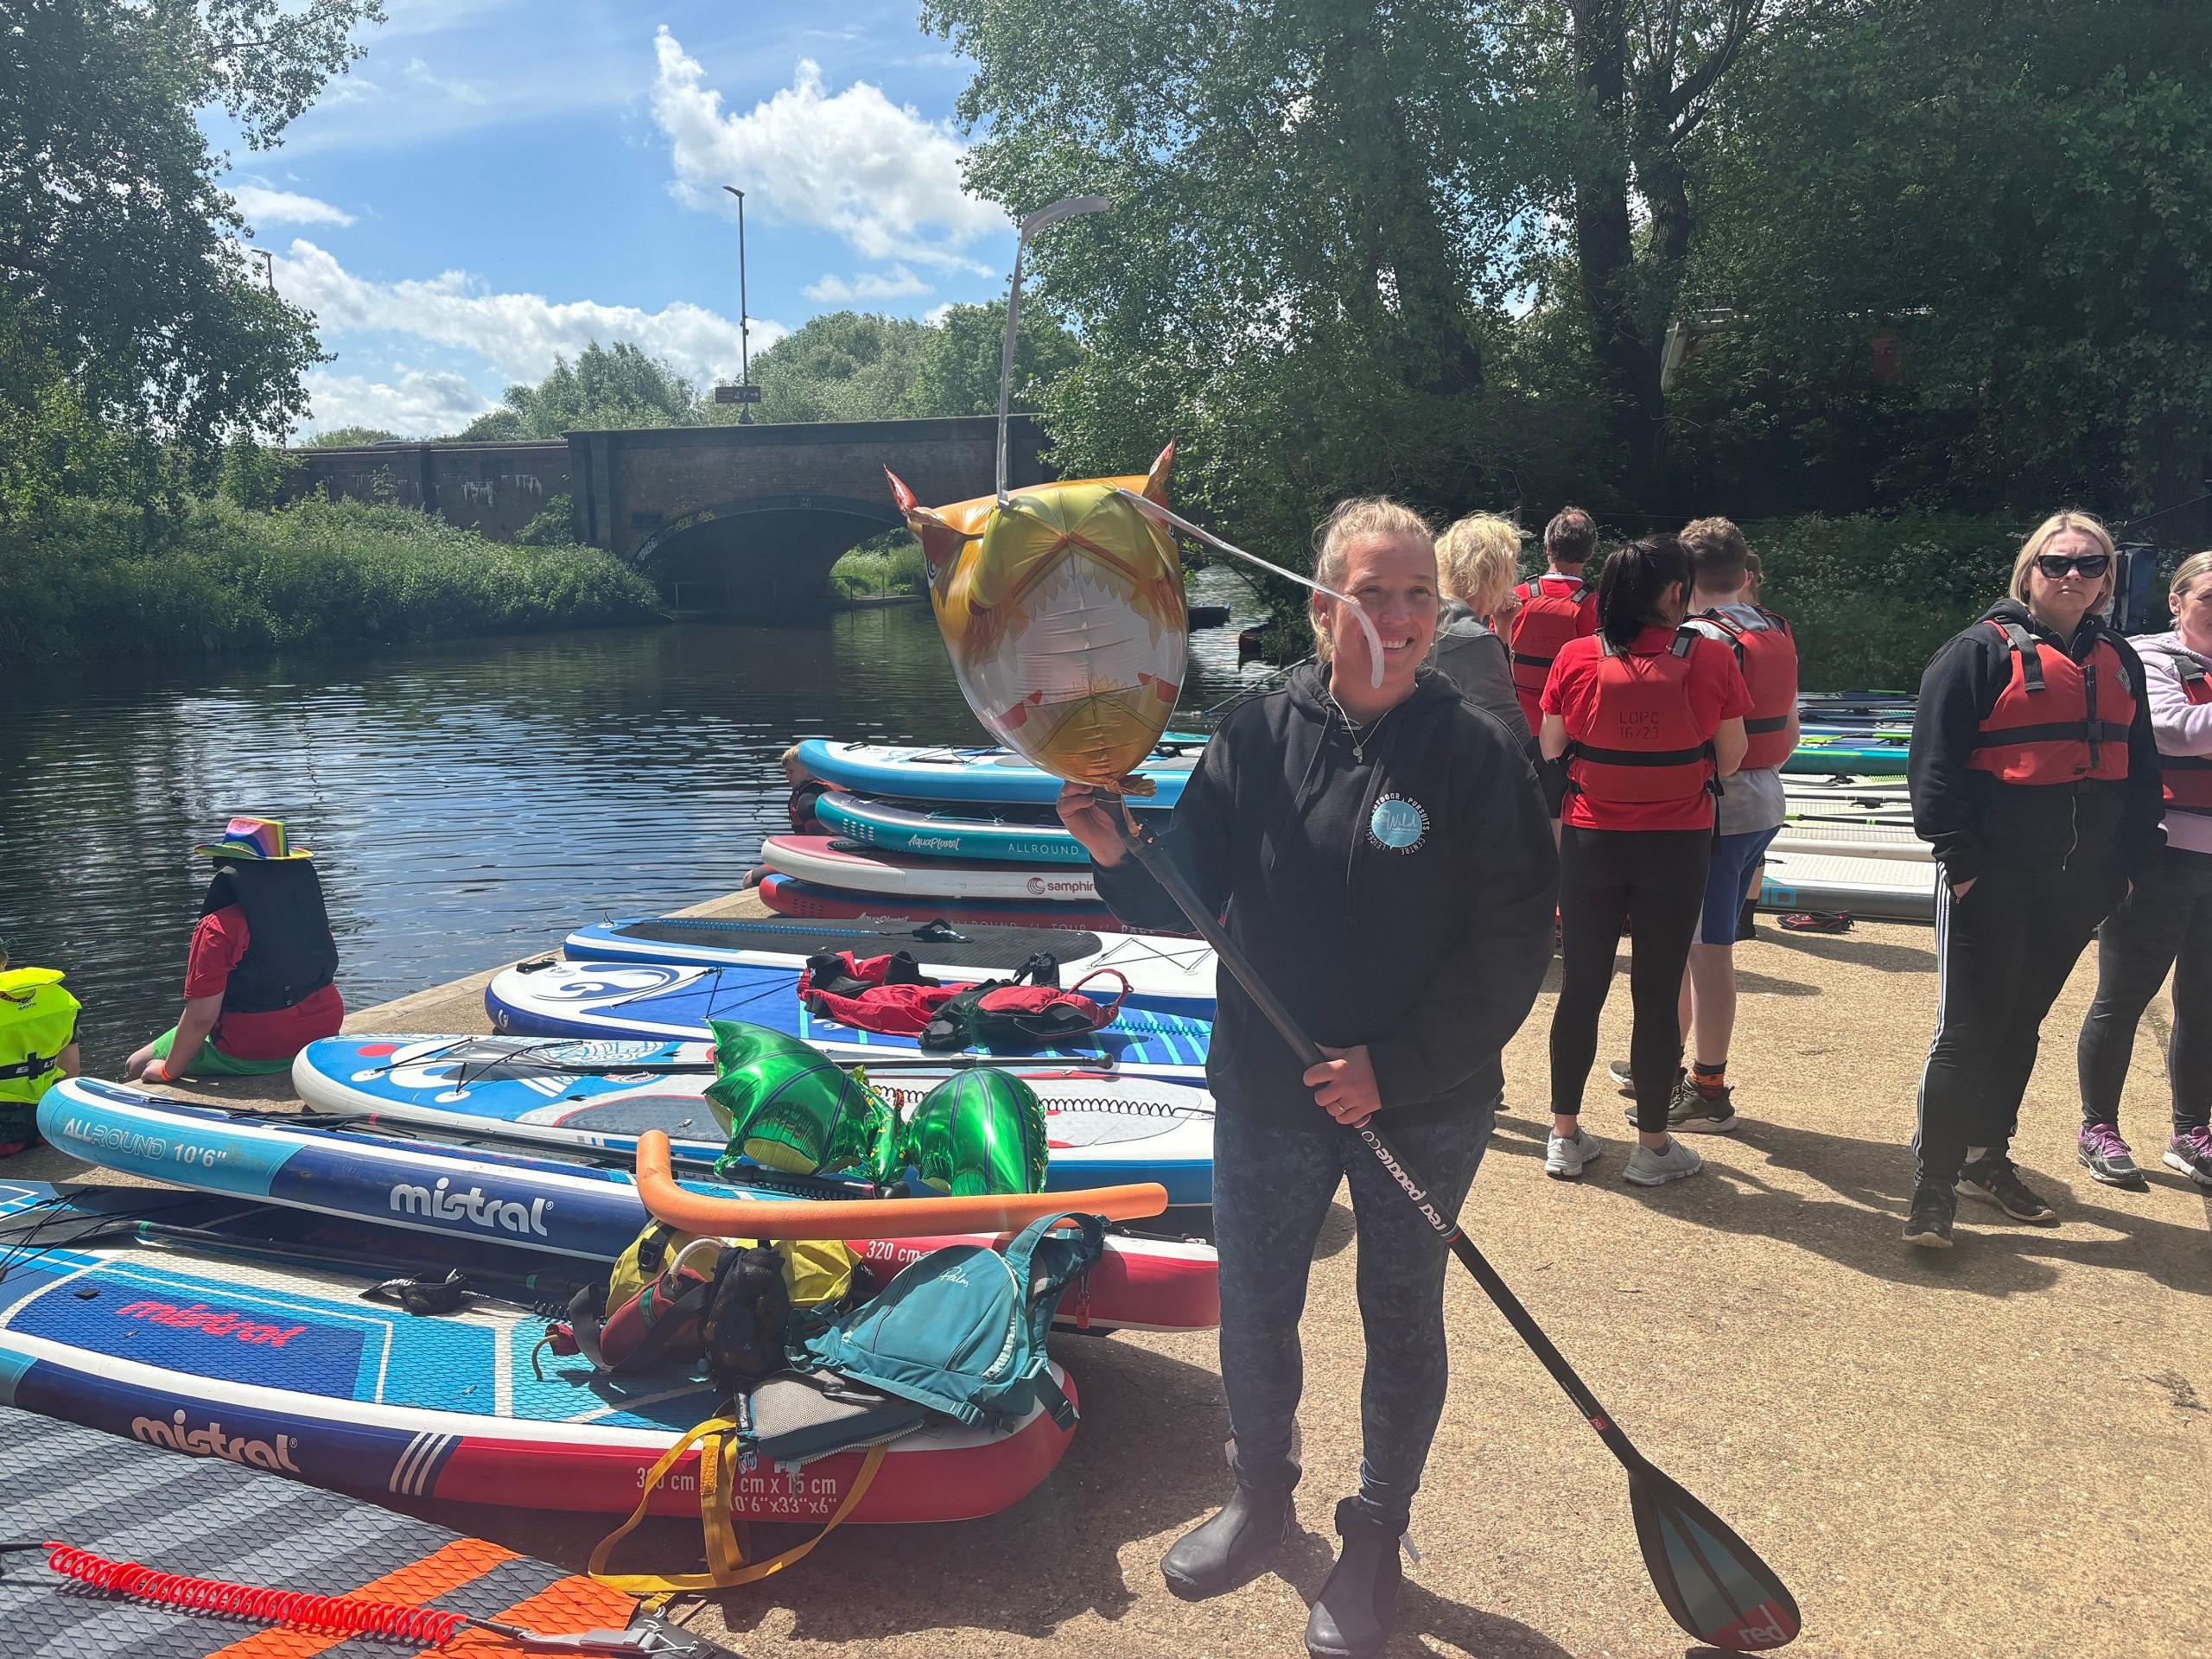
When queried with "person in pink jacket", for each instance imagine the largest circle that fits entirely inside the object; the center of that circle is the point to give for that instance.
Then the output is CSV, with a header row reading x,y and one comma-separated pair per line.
x,y
2166,923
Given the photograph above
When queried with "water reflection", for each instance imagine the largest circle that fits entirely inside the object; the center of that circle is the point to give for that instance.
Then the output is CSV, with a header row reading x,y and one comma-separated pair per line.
x,y
468,802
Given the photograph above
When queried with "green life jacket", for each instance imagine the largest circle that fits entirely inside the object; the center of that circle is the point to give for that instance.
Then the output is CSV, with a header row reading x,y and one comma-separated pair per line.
x,y
38,1019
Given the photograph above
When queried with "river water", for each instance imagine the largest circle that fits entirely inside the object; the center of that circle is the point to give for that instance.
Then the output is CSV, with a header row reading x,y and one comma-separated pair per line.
x,y
467,803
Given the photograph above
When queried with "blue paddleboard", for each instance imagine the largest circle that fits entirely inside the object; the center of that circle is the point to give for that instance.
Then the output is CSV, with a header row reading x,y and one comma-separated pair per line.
x,y
995,777
673,1003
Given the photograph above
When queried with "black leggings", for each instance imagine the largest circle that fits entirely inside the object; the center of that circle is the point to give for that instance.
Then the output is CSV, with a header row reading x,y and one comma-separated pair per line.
x,y
1654,880
2166,922
2003,953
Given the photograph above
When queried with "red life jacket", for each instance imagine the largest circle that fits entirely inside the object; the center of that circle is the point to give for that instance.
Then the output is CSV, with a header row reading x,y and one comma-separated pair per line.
x,y
2186,780
1644,697
1768,657
2057,721
1547,621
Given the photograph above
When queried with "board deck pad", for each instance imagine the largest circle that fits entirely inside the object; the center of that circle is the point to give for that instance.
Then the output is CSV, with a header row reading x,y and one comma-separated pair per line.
x,y
208,1517
976,947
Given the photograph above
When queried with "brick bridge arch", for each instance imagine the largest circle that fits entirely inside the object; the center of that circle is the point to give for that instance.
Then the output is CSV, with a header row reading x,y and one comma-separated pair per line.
x,y
760,512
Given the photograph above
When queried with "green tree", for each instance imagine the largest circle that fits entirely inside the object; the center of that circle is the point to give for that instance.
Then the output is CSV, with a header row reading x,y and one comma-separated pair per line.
x,y
118,271
844,365
956,372
1307,269
2012,199
345,437
608,386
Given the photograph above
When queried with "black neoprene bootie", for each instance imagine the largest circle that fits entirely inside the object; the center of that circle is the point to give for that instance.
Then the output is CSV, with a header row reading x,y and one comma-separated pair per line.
x,y
1358,1608
1222,1553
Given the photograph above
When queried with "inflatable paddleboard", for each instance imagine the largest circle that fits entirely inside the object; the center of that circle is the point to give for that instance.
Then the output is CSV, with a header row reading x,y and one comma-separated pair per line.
x,y
673,1003
788,896
996,777
1848,755
1170,973
1103,1130
1884,890
832,863
551,1205
224,1520
284,1366
948,832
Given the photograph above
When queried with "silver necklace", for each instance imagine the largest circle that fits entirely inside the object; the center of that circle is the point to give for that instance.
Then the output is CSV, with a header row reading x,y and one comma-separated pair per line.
x,y
1352,731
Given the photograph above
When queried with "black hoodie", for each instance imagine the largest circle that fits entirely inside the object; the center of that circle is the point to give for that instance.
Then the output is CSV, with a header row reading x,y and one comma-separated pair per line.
x,y
1397,893
1976,823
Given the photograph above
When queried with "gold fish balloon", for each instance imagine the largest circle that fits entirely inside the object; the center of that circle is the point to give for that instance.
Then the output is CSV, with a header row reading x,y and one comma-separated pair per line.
x,y
1062,608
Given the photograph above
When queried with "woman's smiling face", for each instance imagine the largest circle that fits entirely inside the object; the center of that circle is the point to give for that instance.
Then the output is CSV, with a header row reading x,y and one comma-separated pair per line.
x,y
1393,579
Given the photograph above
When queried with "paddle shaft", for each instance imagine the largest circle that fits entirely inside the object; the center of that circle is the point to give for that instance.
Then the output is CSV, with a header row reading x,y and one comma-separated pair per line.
x,y
700,1068
1162,870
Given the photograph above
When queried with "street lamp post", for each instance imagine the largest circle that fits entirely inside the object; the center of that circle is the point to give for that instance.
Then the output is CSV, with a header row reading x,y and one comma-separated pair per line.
x,y
268,266
744,337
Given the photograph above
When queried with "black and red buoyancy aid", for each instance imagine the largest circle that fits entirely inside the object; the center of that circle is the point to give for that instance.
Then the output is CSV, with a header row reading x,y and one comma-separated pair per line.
x,y
2057,721
2186,780
1767,655
1548,618
289,952
1643,704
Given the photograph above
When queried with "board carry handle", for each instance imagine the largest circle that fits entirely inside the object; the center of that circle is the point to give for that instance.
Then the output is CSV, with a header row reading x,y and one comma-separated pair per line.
x,y
849,1218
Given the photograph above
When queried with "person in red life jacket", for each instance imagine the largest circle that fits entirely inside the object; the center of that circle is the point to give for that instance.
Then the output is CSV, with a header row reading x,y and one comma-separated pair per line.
x,y
2165,924
38,1046
258,978
1557,606
1382,853
1749,817
2034,777
1475,561
1648,716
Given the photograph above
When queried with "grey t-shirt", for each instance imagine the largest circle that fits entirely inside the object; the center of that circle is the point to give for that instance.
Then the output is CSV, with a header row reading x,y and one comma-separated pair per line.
x,y
1752,799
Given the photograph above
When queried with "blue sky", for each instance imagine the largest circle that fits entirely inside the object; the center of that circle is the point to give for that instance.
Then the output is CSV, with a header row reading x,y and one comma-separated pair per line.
x,y
498,182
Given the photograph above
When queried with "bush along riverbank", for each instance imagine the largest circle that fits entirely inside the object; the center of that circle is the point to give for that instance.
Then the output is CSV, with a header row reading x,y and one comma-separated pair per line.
x,y
79,575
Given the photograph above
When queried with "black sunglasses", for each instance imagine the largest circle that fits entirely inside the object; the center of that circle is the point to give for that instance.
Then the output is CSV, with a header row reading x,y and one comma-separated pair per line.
x,y
2055,565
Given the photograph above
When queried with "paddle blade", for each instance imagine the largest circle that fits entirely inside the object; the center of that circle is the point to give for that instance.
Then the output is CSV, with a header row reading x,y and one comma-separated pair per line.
x,y
1710,1581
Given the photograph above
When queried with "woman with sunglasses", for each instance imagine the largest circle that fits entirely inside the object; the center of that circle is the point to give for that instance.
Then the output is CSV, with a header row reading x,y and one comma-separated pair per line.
x,y
2034,775
2165,924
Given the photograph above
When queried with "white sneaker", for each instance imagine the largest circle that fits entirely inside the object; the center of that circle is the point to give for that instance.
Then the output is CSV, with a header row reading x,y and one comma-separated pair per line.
x,y
1672,1162
1565,1159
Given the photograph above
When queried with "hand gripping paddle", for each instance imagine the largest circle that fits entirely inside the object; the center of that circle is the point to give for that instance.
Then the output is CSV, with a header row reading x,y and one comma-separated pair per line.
x,y
1710,1581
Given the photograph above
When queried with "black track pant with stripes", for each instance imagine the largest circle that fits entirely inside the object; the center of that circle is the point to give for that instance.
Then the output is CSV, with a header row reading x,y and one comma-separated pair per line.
x,y
2165,924
2003,953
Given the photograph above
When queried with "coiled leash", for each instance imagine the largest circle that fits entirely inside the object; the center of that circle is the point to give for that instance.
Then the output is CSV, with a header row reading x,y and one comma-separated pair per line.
x,y
345,1616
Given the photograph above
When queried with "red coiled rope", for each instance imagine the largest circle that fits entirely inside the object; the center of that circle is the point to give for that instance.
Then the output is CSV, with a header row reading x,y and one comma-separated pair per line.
x,y
324,1615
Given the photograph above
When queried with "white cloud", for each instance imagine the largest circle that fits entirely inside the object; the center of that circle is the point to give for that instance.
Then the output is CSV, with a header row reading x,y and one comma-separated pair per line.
x,y
420,403
447,86
853,163
520,334
938,314
263,205
898,282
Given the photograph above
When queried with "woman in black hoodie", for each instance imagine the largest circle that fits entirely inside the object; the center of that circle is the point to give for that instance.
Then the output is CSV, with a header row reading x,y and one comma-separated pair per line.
x,y
1384,854
2035,777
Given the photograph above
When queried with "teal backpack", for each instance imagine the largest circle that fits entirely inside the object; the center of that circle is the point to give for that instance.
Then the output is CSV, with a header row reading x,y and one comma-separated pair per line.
x,y
962,1330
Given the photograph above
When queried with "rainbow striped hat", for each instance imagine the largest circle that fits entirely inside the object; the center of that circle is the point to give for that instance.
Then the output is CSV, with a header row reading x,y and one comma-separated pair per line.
x,y
260,839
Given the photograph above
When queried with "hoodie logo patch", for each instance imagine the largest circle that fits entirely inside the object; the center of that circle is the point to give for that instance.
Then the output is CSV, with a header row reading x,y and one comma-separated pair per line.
x,y
1397,825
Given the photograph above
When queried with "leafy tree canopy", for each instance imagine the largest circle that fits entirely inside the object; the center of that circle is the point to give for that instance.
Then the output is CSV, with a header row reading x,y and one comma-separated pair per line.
x,y
607,386
341,437
119,275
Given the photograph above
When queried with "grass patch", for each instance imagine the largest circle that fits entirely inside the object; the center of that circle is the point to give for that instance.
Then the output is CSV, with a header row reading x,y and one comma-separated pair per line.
x,y
82,574
889,564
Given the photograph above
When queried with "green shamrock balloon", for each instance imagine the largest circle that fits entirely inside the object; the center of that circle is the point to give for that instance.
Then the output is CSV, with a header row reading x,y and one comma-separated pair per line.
x,y
979,1132
786,1105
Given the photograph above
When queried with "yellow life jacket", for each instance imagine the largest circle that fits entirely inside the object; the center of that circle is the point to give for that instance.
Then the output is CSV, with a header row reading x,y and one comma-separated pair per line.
x,y
38,1019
